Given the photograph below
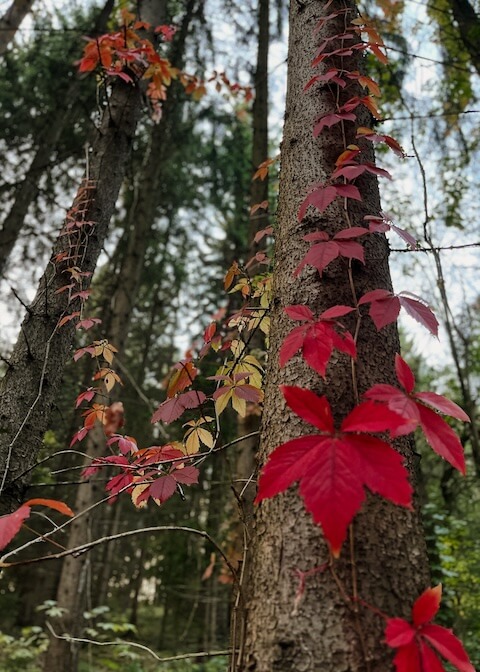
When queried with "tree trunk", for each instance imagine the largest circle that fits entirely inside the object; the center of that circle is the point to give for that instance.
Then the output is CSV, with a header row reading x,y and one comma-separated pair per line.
x,y
70,592
468,22
32,381
11,20
386,562
26,192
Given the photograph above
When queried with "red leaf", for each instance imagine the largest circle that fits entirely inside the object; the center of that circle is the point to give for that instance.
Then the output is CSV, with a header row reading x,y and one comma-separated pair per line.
x,y
87,395
336,311
11,524
442,438
352,232
371,417
332,490
352,171
398,402
291,345
319,256
414,655
187,475
330,120
399,632
404,235
407,659
320,198
382,469
314,410
318,339
404,374
330,75
445,642
427,605
420,312
430,662
351,250
79,436
171,409
333,469
384,307
348,191
317,351
443,405
163,488
299,312
52,504
286,466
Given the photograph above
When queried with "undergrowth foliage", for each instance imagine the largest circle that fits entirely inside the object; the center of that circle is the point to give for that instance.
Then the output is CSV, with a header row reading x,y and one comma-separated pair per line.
x,y
334,465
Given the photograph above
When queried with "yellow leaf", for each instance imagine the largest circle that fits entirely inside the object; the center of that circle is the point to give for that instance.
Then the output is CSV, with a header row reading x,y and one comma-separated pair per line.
x,y
239,405
222,401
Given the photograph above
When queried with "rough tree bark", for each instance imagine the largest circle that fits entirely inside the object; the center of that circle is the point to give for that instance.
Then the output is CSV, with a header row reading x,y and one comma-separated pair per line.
x,y
27,191
11,20
388,564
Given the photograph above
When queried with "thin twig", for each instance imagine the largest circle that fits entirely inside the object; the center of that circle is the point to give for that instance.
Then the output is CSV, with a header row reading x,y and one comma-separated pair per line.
x,y
136,645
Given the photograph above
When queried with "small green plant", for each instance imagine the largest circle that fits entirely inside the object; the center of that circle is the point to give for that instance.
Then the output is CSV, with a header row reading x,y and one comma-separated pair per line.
x,y
21,653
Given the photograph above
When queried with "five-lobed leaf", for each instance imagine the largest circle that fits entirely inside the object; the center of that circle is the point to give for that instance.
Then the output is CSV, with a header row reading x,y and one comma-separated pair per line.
x,y
317,339
412,408
321,196
419,643
325,250
385,307
334,468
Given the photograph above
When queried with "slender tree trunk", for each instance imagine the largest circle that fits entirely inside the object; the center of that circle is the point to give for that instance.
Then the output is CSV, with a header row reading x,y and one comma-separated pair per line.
x,y
468,21
246,450
11,20
259,188
386,558
259,220
28,189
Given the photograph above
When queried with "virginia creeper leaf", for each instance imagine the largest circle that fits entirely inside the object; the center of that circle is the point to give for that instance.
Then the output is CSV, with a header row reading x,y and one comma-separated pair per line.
x,y
414,641
427,605
442,438
333,468
313,409
11,524
171,409
52,504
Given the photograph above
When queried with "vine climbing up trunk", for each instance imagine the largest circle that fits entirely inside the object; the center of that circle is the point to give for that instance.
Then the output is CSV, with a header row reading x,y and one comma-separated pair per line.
x,y
319,626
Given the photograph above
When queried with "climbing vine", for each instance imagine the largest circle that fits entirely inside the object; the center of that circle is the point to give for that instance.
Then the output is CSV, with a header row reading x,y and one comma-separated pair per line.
x,y
335,466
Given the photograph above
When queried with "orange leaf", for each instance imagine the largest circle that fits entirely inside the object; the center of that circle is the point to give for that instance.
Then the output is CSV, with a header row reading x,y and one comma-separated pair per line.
x,y
52,504
259,206
183,377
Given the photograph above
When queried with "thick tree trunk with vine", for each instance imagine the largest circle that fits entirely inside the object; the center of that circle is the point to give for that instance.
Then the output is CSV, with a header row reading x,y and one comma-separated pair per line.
x,y
27,191
384,560
11,20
